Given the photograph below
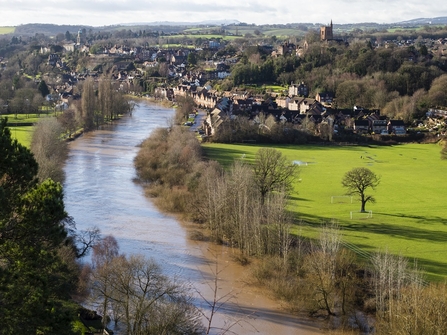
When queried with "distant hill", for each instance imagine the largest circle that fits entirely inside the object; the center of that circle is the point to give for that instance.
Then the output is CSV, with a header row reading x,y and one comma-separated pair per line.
x,y
175,27
53,29
46,29
424,21
187,24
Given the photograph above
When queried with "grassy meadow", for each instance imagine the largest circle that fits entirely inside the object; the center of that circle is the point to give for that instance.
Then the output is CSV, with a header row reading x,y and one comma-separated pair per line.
x,y
22,134
7,30
409,216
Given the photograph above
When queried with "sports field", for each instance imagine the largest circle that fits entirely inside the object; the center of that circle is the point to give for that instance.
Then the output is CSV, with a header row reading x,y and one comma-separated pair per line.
x,y
409,217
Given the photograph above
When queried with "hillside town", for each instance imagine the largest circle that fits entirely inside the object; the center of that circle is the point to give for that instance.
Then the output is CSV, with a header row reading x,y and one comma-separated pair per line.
x,y
130,66
223,178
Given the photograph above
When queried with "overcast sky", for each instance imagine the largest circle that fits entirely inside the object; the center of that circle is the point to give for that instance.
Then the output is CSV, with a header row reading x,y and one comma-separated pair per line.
x,y
109,12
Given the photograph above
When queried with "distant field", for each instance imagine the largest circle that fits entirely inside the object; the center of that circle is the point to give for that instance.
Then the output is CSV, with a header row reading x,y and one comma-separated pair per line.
x,y
204,36
7,30
410,216
275,88
26,118
22,134
393,30
240,31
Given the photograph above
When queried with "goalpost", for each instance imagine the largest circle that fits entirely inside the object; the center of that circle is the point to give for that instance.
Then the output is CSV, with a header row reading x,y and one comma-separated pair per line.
x,y
342,198
369,214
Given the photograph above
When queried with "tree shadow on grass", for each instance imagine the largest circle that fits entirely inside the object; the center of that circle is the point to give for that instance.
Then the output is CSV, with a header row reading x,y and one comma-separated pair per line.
x,y
419,218
434,270
294,198
406,232
225,156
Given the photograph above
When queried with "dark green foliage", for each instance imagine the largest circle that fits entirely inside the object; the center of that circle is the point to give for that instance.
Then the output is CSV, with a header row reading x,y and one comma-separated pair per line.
x,y
34,281
17,170
43,88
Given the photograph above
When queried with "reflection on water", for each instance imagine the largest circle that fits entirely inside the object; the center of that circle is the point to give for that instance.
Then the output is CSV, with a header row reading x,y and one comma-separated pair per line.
x,y
100,191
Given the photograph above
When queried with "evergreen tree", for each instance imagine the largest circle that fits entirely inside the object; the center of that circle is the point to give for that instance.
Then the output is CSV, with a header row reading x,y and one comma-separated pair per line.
x,y
43,88
35,283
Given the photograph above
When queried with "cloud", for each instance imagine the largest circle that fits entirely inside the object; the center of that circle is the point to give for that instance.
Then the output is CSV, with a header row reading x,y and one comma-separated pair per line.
x,y
108,12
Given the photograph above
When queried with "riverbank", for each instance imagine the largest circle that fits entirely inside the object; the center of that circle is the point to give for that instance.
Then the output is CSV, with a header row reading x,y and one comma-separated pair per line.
x,y
119,208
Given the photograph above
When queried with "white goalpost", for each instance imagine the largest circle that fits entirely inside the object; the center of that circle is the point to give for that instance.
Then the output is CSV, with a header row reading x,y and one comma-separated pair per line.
x,y
369,214
341,198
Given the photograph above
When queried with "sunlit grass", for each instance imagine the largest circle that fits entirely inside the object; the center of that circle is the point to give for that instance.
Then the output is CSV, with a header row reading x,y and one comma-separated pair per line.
x,y
7,30
409,216
22,134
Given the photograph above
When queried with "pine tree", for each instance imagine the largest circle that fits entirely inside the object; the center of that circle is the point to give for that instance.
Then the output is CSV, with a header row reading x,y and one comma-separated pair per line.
x,y
34,281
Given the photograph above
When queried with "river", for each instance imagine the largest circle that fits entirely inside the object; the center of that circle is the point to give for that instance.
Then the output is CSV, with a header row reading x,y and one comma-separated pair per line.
x,y
100,191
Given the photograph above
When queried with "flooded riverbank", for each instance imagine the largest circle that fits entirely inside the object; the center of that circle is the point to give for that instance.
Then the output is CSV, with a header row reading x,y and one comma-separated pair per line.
x,y
100,191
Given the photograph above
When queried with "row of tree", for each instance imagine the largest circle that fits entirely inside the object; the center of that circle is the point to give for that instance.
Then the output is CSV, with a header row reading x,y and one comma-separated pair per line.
x,y
244,207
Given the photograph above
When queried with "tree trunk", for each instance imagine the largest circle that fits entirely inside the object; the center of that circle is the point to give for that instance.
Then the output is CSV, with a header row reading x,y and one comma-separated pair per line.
x,y
363,204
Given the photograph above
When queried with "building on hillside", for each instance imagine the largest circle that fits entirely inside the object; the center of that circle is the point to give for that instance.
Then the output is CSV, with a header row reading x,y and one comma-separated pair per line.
x,y
326,32
396,127
361,126
325,97
298,90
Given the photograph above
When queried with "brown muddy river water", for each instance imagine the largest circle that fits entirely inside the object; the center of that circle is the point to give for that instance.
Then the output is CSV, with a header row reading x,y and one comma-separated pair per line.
x,y
100,191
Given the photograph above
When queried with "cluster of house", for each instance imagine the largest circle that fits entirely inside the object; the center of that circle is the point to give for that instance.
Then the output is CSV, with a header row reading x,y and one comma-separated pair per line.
x,y
144,58
296,108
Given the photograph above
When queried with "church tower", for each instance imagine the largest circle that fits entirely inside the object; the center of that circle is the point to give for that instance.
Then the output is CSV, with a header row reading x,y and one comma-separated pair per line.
x,y
326,32
78,39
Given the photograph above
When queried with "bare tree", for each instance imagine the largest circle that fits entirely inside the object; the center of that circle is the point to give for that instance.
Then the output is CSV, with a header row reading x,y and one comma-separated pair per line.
x,y
68,120
104,253
150,303
357,181
321,269
330,273
138,296
105,98
88,104
272,172
49,149
444,151
391,274
85,240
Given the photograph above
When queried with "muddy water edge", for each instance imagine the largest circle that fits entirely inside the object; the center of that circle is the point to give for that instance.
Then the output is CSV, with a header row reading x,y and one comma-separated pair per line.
x,y
100,191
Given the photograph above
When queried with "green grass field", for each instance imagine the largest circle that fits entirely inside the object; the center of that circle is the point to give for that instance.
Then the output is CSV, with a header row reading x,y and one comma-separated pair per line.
x,y
204,36
7,30
275,88
22,134
409,217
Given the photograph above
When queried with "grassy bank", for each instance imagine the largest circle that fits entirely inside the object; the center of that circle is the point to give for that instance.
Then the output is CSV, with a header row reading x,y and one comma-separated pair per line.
x,y
409,216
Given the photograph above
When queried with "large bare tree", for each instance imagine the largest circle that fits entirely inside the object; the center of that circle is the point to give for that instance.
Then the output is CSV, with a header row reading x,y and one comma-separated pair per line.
x,y
357,181
136,295
272,172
